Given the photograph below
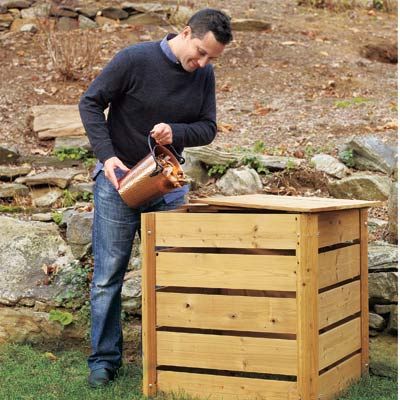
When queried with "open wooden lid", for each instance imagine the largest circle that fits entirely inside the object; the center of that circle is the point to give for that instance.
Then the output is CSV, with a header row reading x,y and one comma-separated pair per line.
x,y
285,203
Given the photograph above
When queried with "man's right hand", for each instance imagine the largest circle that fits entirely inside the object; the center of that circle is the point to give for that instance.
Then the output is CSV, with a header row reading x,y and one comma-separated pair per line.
x,y
109,166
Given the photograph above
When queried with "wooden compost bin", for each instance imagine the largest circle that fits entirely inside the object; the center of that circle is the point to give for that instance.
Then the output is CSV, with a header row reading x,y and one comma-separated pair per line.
x,y
256,297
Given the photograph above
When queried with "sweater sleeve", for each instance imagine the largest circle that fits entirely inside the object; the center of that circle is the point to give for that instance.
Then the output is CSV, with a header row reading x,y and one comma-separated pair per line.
x,y
112,82
203,131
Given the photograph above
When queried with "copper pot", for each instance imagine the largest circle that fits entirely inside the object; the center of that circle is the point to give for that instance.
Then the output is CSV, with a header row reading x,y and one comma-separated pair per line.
x,y
147,180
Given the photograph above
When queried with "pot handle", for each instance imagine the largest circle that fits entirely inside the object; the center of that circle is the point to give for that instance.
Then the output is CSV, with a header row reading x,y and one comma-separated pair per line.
x,y
180,159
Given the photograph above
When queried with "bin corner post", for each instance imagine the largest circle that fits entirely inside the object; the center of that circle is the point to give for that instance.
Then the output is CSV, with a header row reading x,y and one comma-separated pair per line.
x,y
307,306
149,305
364,290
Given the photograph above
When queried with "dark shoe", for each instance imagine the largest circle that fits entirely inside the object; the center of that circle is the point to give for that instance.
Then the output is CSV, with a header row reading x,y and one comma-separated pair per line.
x,y
101,377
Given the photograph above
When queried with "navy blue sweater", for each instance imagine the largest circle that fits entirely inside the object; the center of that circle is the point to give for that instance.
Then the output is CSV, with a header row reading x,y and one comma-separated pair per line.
x,y
142,88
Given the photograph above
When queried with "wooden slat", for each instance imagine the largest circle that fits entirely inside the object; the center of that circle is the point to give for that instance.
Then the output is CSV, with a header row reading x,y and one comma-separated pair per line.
x,y
228,271
338,265
364,291
148,305
337,379
276,231
215,387
339,303
307,306
240,313
234,353
286,203
338,227
339,342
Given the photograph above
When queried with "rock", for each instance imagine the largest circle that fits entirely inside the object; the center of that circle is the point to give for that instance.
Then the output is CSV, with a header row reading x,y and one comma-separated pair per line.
x,y
114,13
330,165
31,28
20,22
145,19
383,309
38,10
384,52
211,156
179,15
5,21
50,121
24,325
370,153
382,287
393,213
15,13
86,23
242,180
383,356
43,217
144,7
382,256
12,190
89,11
83,187
25,246
57,177
361,187
45,197
66,24
8,154
195,170
3,9
12,171
376,223
376,322
103,21
70,142
62,12
393,320
16,4
79,233
242,24
277,163
132,293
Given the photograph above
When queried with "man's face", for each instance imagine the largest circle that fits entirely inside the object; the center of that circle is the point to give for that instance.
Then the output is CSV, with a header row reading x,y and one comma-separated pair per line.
x,y
197,53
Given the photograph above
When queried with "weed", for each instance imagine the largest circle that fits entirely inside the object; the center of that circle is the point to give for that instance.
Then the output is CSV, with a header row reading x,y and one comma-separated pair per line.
x,y
73,54
253,161
347,157
63,317
71,153
290,165
348,103
259,147
218,169
57,217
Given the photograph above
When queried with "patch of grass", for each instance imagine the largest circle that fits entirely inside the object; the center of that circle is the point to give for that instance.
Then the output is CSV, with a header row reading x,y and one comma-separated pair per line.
x,y
348,103
27,373
372,388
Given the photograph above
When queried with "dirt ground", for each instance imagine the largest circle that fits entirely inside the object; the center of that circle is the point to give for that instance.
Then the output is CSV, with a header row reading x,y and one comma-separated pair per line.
x,y
285,86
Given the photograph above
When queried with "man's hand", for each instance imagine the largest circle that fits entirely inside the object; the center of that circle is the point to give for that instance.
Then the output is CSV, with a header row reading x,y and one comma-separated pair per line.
x,y
162,134
109,166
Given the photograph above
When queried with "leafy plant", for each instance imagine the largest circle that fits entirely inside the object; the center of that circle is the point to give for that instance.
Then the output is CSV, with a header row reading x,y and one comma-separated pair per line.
x,y
253,161
351,102
56,217
259,147
290,165
71,153
68,198
347,156
63,317
218,169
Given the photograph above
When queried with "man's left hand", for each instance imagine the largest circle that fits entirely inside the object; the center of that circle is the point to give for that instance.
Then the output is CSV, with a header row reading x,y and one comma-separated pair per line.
x,y
162,134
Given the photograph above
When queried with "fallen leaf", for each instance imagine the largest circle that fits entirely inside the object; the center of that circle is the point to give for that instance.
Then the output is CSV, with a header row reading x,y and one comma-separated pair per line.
x,y
324,53
50,356
39,151
289,43
224,127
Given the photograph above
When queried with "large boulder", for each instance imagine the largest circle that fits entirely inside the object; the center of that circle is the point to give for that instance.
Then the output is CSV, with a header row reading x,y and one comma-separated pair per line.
x,y
382,257
393,213
370,153
28,252
330,165
382,287
361,187
242,180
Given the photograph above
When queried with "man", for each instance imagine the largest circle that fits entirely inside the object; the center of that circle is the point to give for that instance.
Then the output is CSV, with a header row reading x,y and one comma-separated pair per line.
x,y
166,89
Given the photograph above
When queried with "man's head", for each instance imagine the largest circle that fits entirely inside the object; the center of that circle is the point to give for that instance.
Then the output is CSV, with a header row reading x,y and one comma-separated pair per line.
x,y
203,39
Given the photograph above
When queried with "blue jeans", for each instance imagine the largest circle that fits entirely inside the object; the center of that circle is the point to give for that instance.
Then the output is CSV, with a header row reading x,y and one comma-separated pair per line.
x,y
114,227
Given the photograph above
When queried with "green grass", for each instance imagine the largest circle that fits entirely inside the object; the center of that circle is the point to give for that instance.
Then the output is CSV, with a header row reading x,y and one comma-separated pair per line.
x,y
29,373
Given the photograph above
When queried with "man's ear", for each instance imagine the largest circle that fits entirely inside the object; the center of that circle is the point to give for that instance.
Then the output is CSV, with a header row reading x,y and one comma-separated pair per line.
x,y
187,32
